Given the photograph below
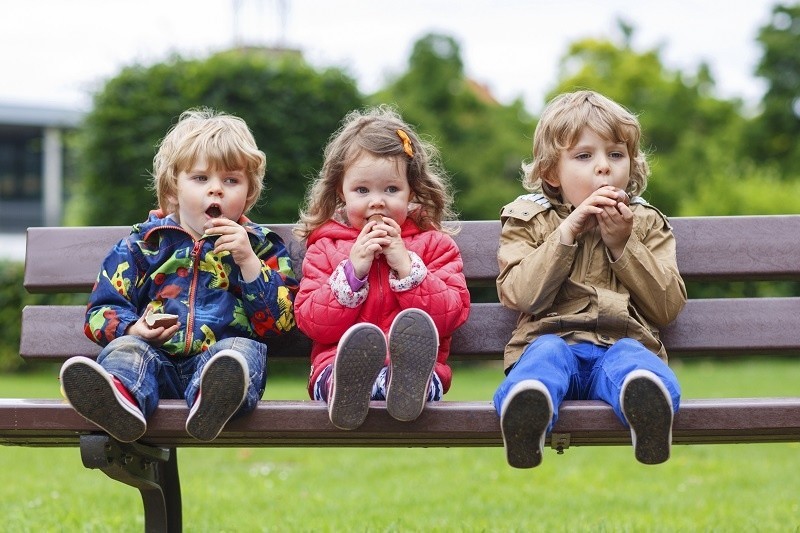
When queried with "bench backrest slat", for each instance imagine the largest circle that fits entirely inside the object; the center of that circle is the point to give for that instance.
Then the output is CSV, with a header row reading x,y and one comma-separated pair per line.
x,y
739,326
68,259
718,248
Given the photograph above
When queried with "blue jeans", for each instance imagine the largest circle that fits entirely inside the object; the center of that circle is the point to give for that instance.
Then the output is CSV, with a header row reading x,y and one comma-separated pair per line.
x,y
585,371
149,374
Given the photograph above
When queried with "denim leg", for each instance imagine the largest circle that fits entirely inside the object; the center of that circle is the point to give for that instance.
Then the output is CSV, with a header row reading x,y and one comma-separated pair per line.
x,y
618,361
254,352
145,371
548,359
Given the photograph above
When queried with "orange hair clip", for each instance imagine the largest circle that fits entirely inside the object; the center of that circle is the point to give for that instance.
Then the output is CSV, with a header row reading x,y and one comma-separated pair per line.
x,y
406,143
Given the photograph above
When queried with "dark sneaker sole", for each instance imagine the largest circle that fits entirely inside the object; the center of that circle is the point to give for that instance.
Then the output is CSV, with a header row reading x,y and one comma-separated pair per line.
x,y
93,397
524,423
649,414
359,359
413,348
223,389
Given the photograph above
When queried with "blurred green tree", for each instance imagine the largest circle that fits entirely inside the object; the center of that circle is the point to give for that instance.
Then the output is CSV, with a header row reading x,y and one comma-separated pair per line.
x,y
291,108
684,125
481,141
774,133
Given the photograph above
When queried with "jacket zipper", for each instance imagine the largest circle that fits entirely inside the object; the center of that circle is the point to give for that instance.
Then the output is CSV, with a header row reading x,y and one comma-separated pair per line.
x,y
192,293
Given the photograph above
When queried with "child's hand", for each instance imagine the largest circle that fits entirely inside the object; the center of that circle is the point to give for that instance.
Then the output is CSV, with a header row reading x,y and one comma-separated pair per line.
x,y
153,336
369,244
585,216
395,251
616,224
233,239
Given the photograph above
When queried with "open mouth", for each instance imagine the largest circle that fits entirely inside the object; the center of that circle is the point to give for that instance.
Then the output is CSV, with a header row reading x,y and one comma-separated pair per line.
x,y
214,211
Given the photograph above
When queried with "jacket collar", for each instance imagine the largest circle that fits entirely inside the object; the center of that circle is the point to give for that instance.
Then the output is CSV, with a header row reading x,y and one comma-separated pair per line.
x,y
158,221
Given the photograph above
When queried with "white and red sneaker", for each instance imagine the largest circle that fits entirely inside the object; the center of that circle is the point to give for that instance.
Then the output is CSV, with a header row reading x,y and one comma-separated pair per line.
x,y
223,387
91,391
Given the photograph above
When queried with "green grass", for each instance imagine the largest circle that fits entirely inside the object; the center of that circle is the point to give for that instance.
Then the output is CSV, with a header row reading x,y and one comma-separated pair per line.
x,y
752,487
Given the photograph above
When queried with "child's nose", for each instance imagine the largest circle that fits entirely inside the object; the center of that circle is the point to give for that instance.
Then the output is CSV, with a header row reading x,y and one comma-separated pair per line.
x,y
602,166
215,187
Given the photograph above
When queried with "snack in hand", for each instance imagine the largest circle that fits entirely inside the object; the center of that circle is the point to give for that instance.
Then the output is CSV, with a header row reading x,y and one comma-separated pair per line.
x,y
623,197
158,320
375,218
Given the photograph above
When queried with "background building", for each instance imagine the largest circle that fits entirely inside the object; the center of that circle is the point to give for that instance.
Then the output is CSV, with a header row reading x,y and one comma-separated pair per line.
x,y
32,165
32,171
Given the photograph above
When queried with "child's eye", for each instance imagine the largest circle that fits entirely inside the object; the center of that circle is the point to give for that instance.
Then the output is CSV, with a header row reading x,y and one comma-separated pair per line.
x,y
362,190
392,189
201,178
582,156
232,181
617,155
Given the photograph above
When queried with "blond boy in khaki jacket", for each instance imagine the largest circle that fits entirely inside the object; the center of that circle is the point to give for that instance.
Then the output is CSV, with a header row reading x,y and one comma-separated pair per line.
x,y
590,266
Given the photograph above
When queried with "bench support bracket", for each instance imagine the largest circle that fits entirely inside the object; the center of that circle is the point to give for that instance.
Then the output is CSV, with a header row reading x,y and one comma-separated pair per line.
x,y
559,442
154,471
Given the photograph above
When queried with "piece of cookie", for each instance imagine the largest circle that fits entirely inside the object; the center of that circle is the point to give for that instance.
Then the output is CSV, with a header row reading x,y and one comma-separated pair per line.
x,y
159,320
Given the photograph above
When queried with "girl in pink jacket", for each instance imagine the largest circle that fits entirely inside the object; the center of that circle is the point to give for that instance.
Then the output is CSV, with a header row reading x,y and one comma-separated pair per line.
x,y
379,263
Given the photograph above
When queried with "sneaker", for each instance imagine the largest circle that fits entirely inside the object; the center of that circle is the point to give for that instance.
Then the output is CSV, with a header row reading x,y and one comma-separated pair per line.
x,y
91,391
223,388
647,407
524,419
413,348
359,359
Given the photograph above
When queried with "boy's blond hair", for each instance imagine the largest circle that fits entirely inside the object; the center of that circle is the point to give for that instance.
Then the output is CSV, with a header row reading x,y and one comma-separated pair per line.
x,y
224,141
375,131
560,126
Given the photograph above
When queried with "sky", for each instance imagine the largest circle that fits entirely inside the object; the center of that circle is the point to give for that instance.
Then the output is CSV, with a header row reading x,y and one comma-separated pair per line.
x,y
58,52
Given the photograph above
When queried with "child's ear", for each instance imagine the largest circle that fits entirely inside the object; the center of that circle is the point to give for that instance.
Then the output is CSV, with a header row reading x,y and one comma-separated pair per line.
x,y
552,181
172,203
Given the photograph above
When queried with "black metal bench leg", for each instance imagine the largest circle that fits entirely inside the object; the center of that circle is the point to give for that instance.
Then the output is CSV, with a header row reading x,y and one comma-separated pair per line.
x,y
154,471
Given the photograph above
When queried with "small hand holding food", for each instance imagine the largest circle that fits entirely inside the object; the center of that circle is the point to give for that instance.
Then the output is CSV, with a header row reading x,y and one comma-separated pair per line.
x,y
380,235
395,251
155,328
606,207
616,223
233,239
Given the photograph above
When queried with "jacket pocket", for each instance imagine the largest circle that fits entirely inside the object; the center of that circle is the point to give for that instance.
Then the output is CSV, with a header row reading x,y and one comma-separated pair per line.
x,y
567,316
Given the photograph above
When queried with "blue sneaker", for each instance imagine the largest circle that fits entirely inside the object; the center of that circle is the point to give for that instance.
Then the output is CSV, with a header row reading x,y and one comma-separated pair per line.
x,y
647,407
524,418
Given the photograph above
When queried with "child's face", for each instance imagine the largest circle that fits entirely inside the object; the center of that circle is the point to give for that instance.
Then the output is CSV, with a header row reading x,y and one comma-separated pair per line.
x,y
591,163
376,185
204,194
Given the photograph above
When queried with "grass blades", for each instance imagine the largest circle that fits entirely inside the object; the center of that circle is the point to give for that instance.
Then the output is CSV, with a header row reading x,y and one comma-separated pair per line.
x,y
744,487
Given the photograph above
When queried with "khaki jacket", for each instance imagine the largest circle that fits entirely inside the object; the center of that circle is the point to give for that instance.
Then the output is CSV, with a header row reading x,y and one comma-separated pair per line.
x,y
577,291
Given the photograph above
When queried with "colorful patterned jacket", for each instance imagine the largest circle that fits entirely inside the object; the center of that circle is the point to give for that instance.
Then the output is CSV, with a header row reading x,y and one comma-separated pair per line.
x,y
161,267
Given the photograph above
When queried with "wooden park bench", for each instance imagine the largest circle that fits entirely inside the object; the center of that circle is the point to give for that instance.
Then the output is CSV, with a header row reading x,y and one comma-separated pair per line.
x,y
62,260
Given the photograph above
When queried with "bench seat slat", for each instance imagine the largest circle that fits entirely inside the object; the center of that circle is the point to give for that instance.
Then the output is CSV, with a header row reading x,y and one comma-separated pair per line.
x,y
305,423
